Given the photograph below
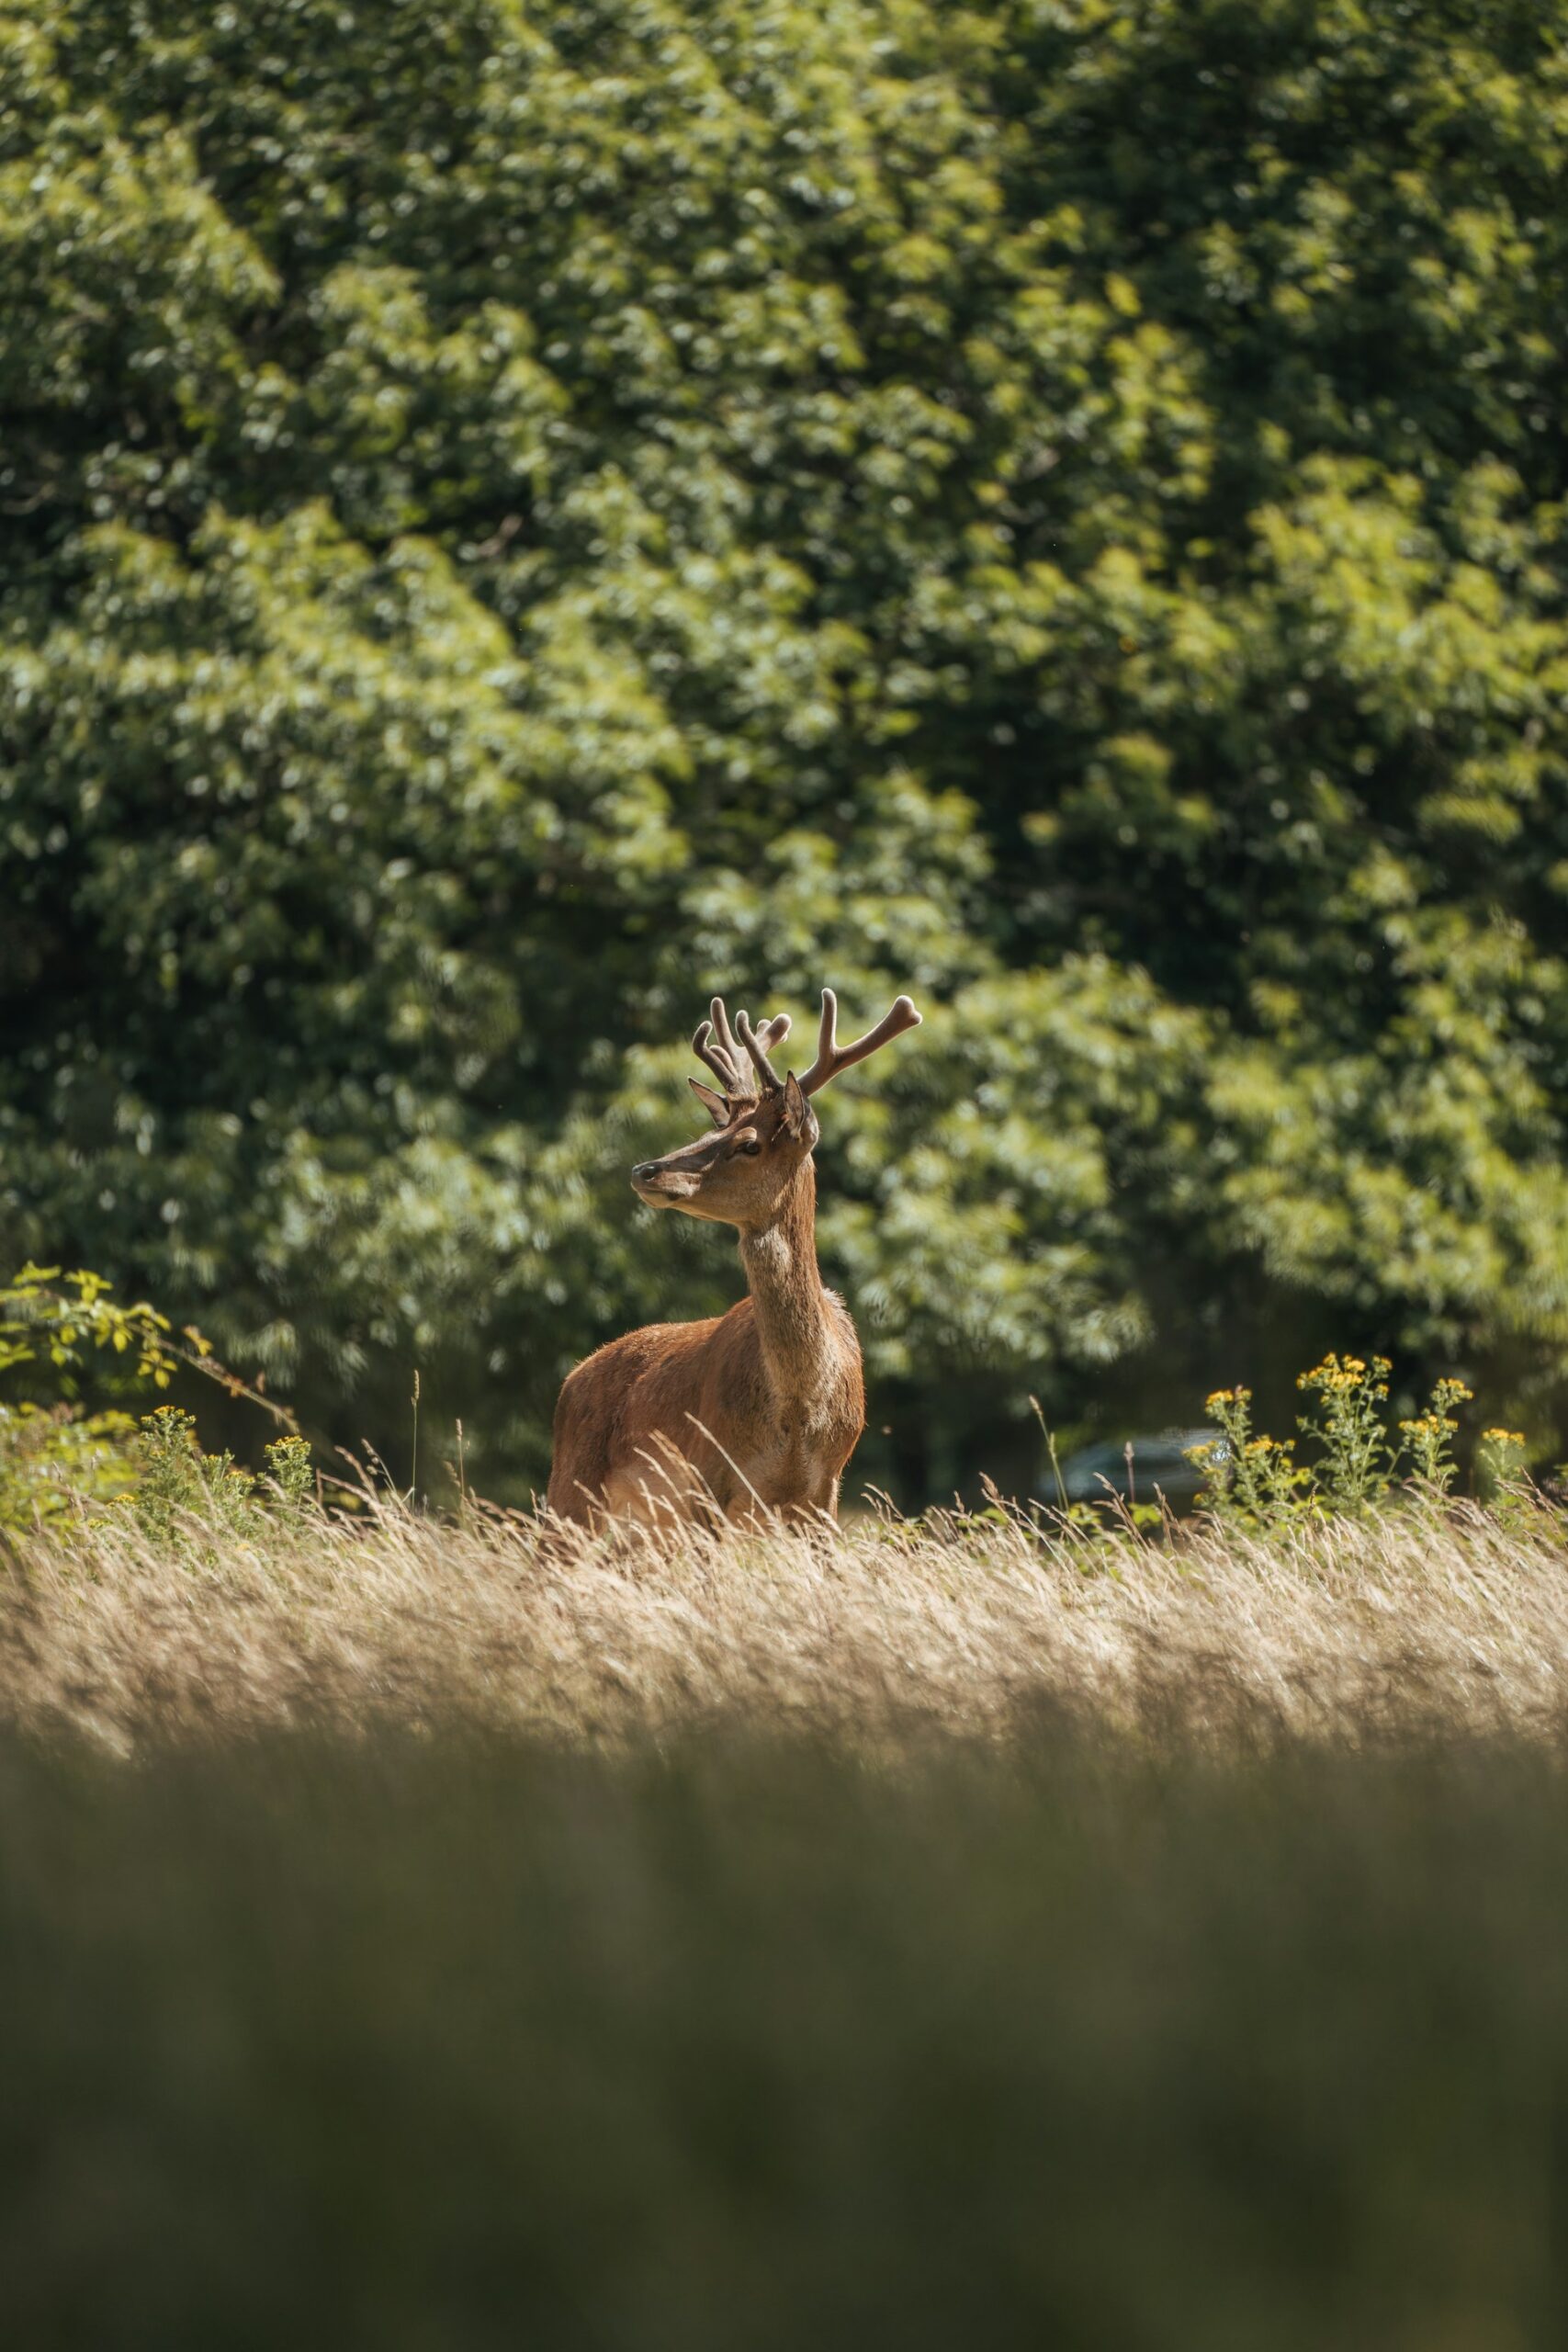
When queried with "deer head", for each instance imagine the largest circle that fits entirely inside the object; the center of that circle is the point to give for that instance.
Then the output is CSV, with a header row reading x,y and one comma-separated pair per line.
x,y
765,1126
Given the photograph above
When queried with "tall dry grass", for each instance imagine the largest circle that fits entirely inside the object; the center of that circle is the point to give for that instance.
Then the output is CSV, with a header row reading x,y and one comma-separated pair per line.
x,y
967,1625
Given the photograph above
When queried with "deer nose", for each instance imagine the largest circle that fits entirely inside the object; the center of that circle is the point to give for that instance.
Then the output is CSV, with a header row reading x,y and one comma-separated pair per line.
x,y
644,1168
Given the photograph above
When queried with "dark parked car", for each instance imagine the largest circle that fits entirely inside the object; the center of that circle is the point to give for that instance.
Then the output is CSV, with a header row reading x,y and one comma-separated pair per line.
x,y
1098,1473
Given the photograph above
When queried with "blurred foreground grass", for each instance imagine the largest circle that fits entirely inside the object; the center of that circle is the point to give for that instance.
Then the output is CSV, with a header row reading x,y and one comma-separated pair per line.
x,y
436,1937
459,2041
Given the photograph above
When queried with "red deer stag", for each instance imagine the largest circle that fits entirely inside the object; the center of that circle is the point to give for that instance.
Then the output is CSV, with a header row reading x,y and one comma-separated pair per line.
x,y
761,1406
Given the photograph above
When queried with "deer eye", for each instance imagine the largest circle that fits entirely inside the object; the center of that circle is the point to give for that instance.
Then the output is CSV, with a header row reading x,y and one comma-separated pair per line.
x,y
752,1148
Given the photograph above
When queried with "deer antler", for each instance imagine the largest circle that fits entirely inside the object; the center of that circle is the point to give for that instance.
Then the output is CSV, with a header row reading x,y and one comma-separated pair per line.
x,y
714,1043
831,1058
772,1032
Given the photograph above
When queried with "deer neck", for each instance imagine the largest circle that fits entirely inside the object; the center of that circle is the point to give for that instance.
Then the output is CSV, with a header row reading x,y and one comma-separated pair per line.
x,y
790,1306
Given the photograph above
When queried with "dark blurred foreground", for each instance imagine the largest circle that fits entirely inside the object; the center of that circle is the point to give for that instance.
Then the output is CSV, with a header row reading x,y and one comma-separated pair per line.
x,y
442,2043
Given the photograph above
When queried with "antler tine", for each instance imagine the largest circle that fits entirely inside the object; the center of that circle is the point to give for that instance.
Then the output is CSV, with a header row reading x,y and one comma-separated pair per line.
x,y
708,1052
720,1020
733,1077
831,1058
757,1042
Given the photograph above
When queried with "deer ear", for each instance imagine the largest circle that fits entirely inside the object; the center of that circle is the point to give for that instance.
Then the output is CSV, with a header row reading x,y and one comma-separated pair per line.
x,y
797,1110
718,1109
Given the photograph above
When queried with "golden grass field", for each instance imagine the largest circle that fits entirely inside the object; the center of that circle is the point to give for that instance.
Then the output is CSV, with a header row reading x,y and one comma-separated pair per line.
x,y
1425,1618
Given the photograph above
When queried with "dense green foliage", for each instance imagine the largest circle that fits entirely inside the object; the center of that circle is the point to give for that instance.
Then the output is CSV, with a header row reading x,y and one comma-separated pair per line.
x,y
518,518
60,1464
392,2044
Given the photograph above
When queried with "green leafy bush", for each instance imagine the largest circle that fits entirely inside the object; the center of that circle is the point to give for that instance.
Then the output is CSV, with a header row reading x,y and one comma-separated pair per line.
x,y
177,1482
1429,1438
1255,1482
58,1460
1357,1460
41,1322
1252,1480
1060,509
179,1486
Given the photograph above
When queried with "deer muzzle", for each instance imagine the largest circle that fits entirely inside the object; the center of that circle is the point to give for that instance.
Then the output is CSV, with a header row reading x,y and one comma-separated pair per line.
x,y
656,1182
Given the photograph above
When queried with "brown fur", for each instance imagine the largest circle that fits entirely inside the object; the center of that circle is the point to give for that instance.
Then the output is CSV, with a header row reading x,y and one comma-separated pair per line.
x,y
762,1405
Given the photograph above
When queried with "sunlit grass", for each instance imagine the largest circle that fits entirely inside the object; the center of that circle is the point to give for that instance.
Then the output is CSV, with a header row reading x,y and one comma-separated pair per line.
x,y
1437,1613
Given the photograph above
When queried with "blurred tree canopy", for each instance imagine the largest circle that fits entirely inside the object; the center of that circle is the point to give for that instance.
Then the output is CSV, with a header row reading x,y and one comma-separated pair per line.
x,y
518,516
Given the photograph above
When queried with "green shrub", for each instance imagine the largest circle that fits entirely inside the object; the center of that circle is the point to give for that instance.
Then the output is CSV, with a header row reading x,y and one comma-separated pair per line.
x,y
1357,1462
291,1472
1056,504
178,1483
47,1317
58,1460
179,1488
1253,1480
1256,1482
1429,1438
